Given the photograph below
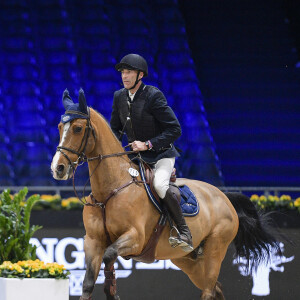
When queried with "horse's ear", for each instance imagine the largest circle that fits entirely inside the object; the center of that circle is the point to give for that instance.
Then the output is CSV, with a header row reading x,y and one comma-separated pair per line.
x,y
82,102
67,101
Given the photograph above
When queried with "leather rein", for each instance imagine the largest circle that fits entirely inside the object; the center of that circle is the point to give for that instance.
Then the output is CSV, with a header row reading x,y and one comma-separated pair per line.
x,y
82,158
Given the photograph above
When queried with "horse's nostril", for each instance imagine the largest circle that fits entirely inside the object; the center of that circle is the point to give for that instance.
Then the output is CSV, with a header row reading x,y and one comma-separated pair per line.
x,y
60,168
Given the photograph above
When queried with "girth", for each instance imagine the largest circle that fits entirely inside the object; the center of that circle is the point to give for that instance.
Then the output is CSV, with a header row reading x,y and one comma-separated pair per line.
x,y
148,253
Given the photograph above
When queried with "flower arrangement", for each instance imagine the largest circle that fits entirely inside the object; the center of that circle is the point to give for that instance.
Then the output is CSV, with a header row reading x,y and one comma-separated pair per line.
x,y
297,204
33,269
71,203
270,202
17,254
48,202
55,202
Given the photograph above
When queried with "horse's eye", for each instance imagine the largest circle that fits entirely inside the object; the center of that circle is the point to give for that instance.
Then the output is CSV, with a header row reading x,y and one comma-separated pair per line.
x,y
77,129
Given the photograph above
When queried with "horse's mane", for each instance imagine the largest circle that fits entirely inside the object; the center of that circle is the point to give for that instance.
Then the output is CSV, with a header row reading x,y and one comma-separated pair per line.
x,y
107,124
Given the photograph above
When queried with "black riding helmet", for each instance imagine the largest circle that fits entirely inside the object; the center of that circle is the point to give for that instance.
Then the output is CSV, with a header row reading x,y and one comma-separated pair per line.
x,y
133,62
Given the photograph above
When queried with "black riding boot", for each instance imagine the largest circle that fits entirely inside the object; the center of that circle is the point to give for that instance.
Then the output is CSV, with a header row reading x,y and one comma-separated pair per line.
x,y
184,238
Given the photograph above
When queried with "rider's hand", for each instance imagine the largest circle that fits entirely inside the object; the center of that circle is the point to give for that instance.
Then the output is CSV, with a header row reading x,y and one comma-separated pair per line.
x,y
138,146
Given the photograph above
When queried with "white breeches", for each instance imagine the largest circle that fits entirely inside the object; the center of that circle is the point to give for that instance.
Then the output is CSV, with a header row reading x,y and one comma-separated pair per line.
x,y
162,173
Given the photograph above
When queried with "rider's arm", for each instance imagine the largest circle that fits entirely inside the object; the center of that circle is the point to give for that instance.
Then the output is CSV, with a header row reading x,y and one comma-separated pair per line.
x,y
168,122
115,122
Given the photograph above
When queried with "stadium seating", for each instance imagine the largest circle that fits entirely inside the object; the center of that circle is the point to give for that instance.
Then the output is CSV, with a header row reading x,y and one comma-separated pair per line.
x,y
48,46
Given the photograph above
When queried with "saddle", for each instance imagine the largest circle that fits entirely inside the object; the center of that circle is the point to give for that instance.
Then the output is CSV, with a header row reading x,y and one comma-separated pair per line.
x,y
149,174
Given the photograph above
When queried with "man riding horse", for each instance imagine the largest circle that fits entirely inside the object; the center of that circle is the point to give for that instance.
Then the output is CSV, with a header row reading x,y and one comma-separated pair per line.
x,y
142,112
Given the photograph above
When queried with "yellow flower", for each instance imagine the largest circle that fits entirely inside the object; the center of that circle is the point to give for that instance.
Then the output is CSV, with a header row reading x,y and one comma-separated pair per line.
x,y
65,202
285,198
263,198
271,198
297,202
254,197
50,198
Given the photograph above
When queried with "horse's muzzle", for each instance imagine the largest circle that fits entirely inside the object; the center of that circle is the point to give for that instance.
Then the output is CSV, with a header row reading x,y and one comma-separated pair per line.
x,y
63,172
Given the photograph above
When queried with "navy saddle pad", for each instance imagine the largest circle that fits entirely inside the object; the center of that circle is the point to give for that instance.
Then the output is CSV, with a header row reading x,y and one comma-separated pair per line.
x,y
189,203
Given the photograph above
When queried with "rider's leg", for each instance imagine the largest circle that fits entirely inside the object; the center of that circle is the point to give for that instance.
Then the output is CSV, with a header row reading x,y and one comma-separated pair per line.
x,y
171,198
162,174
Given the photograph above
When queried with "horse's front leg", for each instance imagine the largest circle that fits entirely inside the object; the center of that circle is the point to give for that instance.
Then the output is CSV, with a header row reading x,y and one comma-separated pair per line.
x,y
93,250
126,244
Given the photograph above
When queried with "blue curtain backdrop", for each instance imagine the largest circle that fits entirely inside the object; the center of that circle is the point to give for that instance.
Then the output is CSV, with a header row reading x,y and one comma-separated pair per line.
x,y
47,46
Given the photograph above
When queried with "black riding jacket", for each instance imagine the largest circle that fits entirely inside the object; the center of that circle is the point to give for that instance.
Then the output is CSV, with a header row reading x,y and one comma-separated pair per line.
x,y
148,117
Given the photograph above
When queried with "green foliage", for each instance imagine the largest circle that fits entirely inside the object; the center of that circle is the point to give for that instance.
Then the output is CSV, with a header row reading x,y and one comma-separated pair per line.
x,y
15,229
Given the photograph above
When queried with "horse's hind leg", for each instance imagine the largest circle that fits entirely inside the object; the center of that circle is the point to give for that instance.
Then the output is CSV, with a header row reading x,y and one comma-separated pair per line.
x,y
93,258
126,244
205,270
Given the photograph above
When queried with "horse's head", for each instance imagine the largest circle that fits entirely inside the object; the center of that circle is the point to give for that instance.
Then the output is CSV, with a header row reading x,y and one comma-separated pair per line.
x,y
77,137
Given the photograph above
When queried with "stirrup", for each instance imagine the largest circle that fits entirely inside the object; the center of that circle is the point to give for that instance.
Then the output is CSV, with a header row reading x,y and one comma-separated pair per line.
x,y
175,241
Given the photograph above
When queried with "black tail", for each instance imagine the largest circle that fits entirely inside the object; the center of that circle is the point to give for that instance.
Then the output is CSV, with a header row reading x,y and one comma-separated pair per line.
x,y
254,240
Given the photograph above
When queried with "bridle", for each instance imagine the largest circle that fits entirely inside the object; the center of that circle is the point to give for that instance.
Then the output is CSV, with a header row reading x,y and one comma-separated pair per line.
x,y
82,158
80,153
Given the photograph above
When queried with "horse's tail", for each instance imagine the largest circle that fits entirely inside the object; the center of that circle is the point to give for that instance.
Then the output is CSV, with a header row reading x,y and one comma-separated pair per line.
x,y
254,240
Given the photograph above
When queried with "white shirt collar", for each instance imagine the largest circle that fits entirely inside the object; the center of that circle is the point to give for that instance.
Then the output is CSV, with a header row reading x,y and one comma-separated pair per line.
x,y
131,95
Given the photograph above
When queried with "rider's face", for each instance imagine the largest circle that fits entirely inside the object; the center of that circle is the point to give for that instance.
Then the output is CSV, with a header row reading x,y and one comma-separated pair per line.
x,y
129,77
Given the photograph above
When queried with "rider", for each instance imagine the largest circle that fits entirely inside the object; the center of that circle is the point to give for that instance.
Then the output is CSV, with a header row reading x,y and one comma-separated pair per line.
x,y
151,126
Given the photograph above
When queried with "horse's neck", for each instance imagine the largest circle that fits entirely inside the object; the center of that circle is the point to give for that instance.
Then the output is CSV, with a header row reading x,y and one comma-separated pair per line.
x,y
111,172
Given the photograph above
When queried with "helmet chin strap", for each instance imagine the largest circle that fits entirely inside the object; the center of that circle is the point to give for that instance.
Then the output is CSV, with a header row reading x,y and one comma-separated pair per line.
x,y
136,81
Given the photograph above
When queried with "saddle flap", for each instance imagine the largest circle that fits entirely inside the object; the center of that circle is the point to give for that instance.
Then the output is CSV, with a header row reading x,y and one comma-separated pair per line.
x,y
149,174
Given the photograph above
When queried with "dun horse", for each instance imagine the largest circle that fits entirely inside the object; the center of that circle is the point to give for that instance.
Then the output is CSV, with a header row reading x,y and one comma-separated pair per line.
x,y
123,225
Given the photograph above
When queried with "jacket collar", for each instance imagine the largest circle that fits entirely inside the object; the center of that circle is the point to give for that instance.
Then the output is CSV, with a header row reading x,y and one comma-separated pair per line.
x,y
138,92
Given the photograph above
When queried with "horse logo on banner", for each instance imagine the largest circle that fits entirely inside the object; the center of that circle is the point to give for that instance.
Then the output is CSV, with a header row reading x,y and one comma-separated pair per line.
x,y
260,275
